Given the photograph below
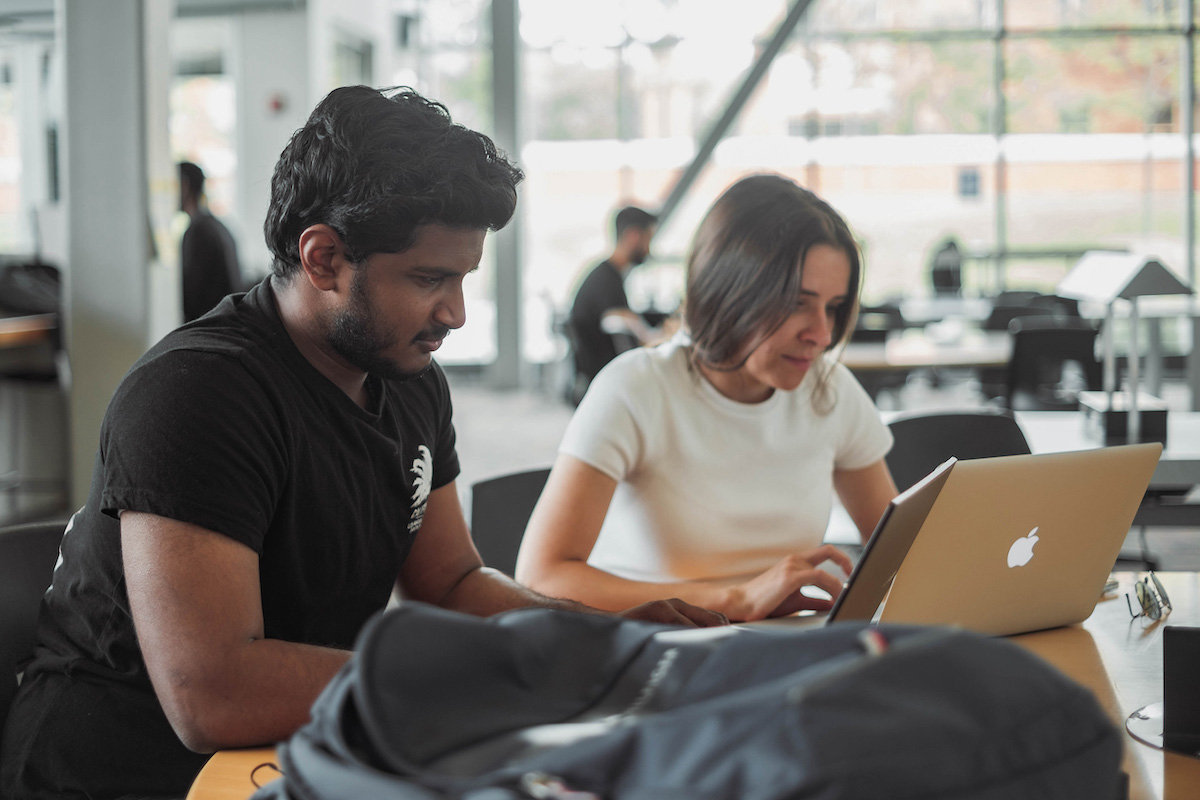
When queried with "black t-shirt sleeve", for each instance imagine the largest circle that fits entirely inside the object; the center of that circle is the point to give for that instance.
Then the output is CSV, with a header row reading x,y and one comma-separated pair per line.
x,y
191,436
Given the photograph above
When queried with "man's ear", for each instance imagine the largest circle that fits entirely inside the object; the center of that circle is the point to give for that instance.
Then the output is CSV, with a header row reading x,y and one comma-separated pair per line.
x,y
323,257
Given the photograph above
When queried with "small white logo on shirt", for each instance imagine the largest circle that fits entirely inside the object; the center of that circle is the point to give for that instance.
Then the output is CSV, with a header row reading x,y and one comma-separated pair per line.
x,y
422,469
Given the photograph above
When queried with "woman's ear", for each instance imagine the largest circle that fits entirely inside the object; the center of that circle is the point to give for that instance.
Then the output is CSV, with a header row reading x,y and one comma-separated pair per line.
x,y
323,256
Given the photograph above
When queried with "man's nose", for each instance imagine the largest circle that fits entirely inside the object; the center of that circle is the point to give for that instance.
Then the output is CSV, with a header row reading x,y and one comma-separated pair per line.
x,y
451,311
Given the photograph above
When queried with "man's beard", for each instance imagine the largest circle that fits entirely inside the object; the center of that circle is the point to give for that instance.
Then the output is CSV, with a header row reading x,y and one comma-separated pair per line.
x,y
354,336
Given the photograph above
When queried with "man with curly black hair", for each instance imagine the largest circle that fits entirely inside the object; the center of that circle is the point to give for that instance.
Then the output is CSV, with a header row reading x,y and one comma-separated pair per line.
x,y
268,474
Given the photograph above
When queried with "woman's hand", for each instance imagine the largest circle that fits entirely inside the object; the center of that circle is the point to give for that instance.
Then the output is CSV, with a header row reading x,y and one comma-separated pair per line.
x,y
776,592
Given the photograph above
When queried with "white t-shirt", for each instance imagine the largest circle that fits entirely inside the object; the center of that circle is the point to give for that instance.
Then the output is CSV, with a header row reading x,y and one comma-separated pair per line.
x,y
708,487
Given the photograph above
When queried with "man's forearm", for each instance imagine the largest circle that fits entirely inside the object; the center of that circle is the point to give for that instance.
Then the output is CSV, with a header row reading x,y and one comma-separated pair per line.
x,y
259,695
487,591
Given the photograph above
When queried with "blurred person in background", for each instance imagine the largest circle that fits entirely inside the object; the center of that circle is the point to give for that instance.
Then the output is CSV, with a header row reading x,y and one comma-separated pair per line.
x,y
208,254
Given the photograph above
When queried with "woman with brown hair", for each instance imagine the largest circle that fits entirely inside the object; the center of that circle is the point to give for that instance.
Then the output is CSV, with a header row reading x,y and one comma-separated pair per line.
x,y
705,468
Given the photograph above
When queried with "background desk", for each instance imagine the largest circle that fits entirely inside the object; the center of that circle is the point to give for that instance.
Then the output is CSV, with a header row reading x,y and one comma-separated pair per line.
x,y
1119,659
26,330
1154,311
1057,431
916,349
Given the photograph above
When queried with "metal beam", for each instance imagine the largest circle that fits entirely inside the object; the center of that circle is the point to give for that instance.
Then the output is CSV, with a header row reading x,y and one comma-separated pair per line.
x,y
999,131
718,131
506,371
1187,104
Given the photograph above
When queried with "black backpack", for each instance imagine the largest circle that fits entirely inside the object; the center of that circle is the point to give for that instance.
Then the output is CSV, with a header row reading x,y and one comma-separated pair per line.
x,y
551,704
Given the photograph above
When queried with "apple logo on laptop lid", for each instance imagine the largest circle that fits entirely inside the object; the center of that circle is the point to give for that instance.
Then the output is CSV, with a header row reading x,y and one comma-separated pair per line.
x,y
1022,549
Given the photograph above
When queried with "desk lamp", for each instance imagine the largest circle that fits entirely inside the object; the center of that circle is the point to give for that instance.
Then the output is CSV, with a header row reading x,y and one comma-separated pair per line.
x,y
1103,278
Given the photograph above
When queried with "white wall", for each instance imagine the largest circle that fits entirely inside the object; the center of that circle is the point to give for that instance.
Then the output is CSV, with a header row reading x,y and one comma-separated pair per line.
x,y
118,183
164,302
365,20
270,66
287,57
105,203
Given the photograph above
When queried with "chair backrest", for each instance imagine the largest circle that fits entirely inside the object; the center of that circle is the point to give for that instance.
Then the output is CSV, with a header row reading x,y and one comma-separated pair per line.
x,y
1053,359
1016,297
27,557
925,440
1061,306
1002,315
874,323
500,509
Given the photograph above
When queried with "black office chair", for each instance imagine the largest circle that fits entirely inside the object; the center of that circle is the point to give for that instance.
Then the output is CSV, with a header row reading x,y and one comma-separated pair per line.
x,y
924,440
1015,297
27,557
1005,309
1002,314
1053,359
500,509
1058,305
874,323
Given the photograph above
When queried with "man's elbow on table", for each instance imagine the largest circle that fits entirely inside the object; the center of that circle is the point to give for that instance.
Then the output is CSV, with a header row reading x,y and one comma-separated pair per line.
x,y
202,718
256,694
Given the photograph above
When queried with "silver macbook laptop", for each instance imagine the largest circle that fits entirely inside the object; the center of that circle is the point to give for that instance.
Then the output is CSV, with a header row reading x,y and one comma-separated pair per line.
x,y
1001,545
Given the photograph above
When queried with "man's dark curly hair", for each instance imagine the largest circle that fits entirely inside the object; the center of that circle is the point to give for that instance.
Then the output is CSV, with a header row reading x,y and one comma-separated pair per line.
x,y
374,165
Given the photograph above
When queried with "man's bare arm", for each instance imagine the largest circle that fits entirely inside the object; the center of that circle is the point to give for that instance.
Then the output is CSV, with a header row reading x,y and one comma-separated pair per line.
x,y
622,320
197,609
445,569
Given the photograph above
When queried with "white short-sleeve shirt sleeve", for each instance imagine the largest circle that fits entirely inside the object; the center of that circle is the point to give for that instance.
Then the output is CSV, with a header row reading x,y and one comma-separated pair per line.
x,y
865,439
606,430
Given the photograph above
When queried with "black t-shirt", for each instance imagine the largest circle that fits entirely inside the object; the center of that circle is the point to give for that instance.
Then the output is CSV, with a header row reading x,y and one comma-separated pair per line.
x,y
223,424
209,265
602,290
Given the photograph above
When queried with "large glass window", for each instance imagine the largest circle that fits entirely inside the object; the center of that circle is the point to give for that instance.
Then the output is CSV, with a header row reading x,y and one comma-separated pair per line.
x,y
202,122
1110,14
1028,138
617,97
1094,156
840,16
895,134
889,109
29,181
443,50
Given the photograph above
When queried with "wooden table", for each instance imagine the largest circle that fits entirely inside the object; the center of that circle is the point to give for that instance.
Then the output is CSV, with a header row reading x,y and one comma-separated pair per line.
x,y
1118,658
26,330
230,774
